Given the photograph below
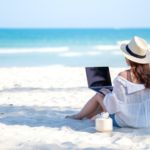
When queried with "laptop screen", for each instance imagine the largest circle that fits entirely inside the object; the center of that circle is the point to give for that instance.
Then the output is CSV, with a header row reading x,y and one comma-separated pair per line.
x,y
98,76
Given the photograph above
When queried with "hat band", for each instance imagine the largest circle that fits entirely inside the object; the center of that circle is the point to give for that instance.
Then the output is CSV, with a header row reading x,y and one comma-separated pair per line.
x,y
133,54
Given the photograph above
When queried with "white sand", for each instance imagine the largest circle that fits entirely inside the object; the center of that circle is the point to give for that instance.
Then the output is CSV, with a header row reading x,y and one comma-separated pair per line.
x,y
34,102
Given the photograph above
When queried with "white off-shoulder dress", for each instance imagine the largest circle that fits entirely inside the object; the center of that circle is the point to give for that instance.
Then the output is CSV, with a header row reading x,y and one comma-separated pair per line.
x,y
130,102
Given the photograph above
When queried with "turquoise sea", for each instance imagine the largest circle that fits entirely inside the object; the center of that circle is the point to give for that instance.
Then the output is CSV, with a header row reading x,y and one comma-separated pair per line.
x,y
67,47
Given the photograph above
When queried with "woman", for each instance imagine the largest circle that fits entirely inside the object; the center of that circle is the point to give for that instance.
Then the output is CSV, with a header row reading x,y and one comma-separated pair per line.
x,y
129,102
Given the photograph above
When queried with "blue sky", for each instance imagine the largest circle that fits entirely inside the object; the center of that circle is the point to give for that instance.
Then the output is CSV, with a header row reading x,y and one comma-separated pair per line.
x,y
74,13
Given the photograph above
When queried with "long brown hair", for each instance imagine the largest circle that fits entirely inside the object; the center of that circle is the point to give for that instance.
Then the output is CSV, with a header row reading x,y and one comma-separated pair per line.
x,y
141,72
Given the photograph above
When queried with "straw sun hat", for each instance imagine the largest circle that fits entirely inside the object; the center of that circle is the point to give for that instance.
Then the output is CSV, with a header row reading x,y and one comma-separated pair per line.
x,y
136,50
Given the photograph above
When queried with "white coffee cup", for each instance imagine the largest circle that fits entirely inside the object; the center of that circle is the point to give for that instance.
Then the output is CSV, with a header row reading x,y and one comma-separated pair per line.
x,y
103,123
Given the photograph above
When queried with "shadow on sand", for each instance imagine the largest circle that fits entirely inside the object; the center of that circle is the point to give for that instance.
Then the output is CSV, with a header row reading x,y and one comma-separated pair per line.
x,y
35,116
30,89
54,117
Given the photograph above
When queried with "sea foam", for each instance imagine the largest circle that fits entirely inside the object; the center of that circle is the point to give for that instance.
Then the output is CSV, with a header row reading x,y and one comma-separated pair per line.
x,y
33,50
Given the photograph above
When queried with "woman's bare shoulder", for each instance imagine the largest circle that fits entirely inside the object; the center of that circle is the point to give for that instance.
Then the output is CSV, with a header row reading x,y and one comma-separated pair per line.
x,y
124,74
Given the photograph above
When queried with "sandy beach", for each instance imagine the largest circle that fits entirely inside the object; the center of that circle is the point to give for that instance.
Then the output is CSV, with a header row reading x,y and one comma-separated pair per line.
x,y
34,102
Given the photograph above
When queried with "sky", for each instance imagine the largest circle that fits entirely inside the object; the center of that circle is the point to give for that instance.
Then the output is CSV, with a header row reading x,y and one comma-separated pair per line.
x,y
74,13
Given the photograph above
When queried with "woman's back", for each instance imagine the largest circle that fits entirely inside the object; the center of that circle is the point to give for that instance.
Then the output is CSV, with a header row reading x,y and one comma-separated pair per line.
x,y
132,102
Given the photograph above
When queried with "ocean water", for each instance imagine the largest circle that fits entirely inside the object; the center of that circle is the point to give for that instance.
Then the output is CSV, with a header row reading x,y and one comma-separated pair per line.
x,y
67,47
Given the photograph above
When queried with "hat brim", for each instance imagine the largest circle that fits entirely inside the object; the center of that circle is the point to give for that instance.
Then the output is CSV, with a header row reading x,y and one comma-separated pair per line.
x,y
145,60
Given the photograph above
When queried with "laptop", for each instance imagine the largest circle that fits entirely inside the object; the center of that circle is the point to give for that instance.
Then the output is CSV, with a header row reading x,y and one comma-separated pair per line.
x,y
98,78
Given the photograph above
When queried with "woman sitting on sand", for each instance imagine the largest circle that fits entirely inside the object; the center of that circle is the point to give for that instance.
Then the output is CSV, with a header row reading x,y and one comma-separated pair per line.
x,y
129,102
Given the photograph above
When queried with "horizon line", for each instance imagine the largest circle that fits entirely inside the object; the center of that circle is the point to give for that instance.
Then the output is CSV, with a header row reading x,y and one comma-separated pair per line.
x,y
115,28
